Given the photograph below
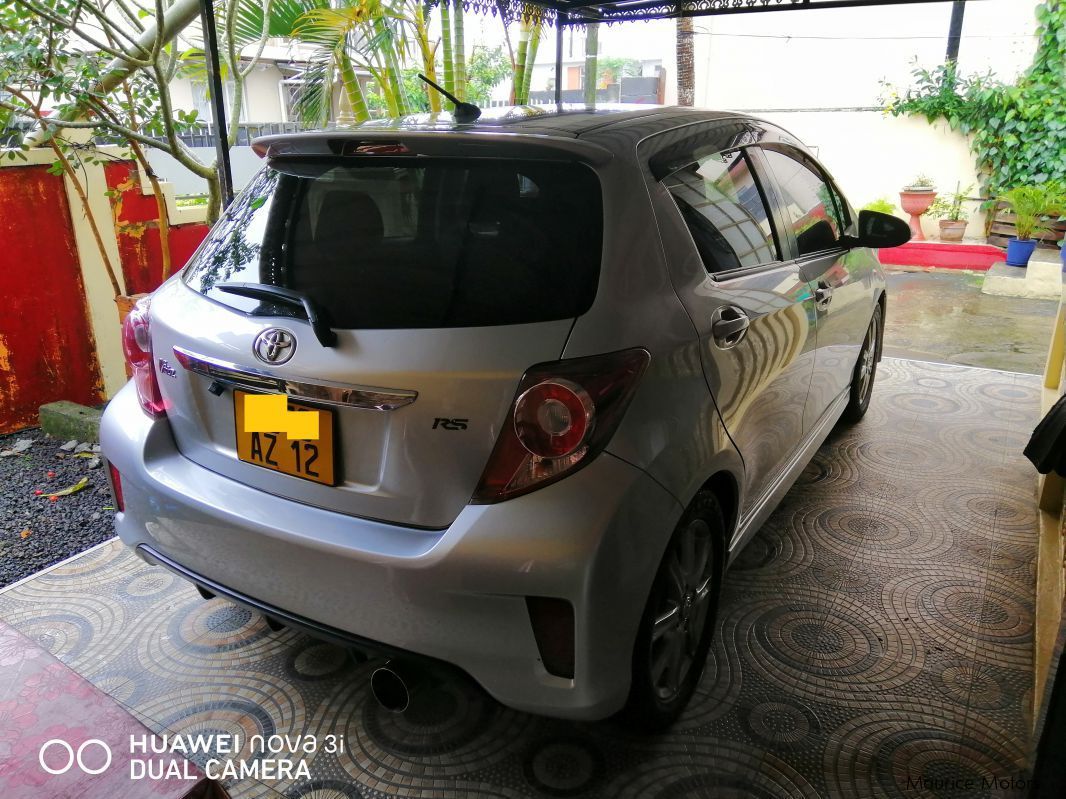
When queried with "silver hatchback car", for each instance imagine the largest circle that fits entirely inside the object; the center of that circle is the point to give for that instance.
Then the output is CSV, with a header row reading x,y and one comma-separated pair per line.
x,y
563,365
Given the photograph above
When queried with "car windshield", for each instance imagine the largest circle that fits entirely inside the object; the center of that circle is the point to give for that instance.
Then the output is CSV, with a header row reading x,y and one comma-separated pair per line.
x,y
393,243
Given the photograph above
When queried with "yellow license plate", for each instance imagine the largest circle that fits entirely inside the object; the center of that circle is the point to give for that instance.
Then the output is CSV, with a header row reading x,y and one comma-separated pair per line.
x,y
311,459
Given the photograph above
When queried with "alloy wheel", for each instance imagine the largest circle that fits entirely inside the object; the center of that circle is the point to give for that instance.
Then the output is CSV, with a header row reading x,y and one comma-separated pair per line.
x,y
682,615
868,358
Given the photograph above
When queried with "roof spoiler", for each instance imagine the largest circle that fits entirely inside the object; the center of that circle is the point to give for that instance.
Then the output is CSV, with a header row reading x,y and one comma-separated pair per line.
x,y
429,143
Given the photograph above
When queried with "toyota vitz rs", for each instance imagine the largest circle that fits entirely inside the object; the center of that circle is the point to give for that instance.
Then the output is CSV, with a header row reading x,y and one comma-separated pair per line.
x,y
564,364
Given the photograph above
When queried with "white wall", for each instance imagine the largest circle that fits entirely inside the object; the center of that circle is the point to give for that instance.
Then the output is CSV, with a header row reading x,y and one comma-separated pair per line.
x,y
261,96
262,100
826,58
838,57
244,162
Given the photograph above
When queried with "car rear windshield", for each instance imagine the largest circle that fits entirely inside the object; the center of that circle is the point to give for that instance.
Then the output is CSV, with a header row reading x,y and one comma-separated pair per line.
x,y
393,243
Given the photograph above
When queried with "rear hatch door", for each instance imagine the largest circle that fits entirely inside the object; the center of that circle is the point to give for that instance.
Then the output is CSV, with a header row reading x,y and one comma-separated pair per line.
x,y
443,280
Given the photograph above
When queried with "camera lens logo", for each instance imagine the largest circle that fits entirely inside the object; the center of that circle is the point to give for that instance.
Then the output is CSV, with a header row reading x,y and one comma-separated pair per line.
x,y
70,757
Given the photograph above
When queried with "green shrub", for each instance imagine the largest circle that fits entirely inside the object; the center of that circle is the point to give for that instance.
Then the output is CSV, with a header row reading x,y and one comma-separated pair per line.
x,y
1032,204
881,205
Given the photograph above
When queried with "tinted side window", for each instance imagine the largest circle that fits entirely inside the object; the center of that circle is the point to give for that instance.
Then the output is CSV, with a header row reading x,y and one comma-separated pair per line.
x,y
815,211
721,204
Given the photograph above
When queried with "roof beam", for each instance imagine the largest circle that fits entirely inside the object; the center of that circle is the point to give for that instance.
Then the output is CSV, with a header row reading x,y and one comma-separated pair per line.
x,y
581,11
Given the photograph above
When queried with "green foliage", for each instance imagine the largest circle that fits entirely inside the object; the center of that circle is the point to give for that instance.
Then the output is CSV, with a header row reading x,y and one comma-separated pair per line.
x,y
882,205
1032,204
612,69
485,70
414,90
949,206
72,64
1018,130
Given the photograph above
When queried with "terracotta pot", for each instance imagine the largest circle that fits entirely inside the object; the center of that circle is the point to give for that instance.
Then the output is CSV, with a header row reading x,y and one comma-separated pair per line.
x,y
952,230
916,202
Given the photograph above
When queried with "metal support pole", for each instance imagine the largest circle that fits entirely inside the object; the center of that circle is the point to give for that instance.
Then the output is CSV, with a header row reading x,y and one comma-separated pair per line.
x,y
218,102
559,18
958,8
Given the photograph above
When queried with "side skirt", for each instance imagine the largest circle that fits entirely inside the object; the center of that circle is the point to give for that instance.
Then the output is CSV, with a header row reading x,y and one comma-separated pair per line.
x,y
749,525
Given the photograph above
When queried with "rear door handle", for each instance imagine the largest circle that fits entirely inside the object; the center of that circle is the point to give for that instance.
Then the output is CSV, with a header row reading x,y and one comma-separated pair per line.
x,y
729,326
823,295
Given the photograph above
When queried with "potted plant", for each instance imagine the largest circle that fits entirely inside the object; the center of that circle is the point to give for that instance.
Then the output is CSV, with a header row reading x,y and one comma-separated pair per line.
x,y
915,199
950,212
1029,204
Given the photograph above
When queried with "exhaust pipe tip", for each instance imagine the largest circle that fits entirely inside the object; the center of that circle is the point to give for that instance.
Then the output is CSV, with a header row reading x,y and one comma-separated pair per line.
x,y
390,689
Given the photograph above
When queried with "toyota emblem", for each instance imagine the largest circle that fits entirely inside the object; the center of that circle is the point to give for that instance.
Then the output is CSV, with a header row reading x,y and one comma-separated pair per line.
x,y
274,346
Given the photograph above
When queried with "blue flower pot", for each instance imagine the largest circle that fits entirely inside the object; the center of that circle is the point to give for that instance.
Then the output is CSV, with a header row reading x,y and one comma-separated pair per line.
x,y
1019,251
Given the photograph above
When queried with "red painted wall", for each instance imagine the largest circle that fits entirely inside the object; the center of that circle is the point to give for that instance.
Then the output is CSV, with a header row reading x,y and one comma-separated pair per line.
x,y
47,351
137,229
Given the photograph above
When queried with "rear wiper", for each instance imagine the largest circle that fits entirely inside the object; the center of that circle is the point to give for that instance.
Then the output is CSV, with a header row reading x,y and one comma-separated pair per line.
x,y
317,317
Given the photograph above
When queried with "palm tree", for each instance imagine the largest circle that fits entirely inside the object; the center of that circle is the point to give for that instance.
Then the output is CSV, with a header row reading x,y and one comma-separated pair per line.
x,y
453,45
591,52
530,27
686,75
363,34
459,50
427,50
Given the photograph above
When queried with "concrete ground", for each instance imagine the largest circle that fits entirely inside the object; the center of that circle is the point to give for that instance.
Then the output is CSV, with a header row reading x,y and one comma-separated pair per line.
x,y
943,316
875,639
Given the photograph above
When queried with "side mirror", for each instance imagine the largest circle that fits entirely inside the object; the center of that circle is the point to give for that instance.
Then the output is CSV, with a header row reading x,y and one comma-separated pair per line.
x,y
879,230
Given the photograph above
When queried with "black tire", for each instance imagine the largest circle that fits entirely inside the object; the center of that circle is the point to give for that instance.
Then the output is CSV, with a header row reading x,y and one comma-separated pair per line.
x,y
862,378
658,695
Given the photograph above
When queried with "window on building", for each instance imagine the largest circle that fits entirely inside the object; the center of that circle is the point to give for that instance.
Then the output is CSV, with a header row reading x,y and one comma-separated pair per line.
x,y
201,98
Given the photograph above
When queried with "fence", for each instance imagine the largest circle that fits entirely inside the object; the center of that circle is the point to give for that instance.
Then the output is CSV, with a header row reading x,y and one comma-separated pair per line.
x,y
59,334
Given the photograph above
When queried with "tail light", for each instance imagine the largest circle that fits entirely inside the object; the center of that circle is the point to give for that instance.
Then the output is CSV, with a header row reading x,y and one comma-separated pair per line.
x,y
137,345
564,414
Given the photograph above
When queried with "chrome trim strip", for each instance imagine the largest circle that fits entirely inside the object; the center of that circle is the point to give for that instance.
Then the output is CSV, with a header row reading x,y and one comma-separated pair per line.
x,y
367,397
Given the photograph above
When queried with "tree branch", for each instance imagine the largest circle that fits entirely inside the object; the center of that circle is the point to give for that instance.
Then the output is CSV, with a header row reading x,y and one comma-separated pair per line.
x,y
71,25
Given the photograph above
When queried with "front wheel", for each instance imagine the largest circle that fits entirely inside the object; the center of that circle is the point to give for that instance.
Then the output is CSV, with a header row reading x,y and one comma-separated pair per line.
x,y
676,629
862,379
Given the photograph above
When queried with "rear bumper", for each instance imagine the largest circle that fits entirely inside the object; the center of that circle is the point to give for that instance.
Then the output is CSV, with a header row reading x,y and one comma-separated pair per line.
x,y
456,595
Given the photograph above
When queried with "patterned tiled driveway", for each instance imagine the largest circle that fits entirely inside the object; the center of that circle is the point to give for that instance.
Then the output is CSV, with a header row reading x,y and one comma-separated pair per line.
x,y
875,639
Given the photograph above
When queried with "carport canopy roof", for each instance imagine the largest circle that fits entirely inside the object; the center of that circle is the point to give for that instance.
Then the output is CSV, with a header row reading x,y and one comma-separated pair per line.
x,y
577,12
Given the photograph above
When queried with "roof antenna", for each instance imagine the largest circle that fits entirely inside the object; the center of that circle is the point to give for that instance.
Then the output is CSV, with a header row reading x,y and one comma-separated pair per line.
x,y
464,112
